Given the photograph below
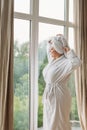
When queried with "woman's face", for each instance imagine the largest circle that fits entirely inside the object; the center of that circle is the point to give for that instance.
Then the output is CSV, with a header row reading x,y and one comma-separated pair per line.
x,y
53,52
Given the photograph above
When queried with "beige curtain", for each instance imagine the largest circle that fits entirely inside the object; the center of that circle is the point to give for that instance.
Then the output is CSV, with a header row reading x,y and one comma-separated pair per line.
x,y
6,64
81,89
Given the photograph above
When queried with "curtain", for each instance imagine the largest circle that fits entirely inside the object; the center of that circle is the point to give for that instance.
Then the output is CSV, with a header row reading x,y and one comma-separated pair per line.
x,y
81,89
6,64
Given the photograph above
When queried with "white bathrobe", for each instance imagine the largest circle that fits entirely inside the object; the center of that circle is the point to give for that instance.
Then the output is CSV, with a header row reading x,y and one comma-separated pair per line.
x,y
57,97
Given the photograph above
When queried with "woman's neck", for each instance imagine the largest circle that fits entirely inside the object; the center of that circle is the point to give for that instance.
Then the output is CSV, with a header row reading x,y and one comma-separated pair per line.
x,y
57,56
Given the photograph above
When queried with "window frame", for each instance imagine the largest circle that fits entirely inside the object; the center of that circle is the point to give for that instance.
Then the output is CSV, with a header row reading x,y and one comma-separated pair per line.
x,y
34,19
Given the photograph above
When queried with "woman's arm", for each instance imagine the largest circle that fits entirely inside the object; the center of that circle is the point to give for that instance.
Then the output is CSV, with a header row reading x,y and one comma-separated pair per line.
x,y
72,58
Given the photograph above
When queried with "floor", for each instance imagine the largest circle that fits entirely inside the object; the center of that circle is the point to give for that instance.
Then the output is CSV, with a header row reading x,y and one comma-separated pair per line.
x,y
76,128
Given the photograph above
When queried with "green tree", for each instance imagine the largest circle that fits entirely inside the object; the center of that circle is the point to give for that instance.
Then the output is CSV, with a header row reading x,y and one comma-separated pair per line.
x,y
41,83
21,86
21,113
41,80
71,85
21,62
40,112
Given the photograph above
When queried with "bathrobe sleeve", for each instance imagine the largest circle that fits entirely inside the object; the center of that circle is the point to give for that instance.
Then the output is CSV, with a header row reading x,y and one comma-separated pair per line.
x,y
73,60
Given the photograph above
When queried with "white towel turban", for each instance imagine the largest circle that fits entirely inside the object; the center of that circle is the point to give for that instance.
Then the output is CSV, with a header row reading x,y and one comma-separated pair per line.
x,y
57,42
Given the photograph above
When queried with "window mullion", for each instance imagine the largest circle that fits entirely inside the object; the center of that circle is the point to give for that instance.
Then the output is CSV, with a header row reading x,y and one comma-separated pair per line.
x,y
51,21
66,18
76,21
23,16
34,66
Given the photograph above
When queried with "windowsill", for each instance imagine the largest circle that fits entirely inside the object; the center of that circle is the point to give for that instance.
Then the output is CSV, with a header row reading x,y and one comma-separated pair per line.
x,y
75,125
73,128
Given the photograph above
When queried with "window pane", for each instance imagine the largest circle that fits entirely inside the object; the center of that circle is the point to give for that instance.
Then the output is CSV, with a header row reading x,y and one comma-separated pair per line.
x,y
45,31
71,38
71,10
22,6
71,84
52,8
21,74
48,30
74,119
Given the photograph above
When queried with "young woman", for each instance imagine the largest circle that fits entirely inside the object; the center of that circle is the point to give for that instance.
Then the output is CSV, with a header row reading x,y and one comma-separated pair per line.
x,y
56,97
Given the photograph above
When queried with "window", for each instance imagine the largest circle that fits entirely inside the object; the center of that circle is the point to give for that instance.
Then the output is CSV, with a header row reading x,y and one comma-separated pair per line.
x,y
52,9
21,74
48,30
71,11
34,22
23,7
45,31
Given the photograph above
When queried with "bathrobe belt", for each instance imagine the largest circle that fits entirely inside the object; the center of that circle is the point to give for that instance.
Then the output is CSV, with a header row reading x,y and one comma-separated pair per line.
x,y
50,89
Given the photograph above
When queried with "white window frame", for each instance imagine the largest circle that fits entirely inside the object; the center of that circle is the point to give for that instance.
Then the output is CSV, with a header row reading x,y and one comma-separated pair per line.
x,y
34,29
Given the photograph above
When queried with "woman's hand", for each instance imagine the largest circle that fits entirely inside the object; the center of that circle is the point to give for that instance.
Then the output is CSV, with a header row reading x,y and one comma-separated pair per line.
x,y
66,49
